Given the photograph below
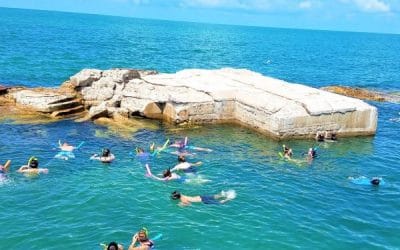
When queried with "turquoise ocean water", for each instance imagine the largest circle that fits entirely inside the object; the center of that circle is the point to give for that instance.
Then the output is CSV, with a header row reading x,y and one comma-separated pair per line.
x,y
279,205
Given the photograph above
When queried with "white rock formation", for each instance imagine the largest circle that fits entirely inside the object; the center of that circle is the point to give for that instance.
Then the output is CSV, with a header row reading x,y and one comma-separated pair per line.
x,y
269,105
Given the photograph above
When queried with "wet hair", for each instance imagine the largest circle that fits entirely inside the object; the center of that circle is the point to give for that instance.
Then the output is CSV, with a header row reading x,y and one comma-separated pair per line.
x,y
181,158
375,181
112,246
167,173
139,150
106,152
333,137
33,162
175,195
142,235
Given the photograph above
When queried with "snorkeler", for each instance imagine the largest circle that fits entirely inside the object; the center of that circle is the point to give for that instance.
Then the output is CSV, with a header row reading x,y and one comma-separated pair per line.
x,y
362,180
183,144
220,198
32,167
65,146
141,241
167,175
311,154
185,166
106,156
287,152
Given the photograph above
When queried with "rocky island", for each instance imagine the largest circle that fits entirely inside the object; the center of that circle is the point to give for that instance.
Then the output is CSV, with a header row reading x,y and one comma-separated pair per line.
x,y
195,96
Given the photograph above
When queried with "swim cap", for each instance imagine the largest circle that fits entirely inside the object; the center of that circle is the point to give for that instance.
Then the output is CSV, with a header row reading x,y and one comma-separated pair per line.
x,y
175,195
112,246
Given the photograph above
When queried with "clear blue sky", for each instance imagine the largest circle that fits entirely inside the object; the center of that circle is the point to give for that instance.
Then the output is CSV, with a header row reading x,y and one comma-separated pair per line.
x,y
350,15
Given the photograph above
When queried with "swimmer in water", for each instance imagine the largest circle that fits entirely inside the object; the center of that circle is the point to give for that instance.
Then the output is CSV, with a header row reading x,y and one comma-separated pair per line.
x,y
220,198
113,246
320,137
362,180
141,241
375,181
167,176
312,153
32,167
287,152
185,166
106,156
183,144
66,147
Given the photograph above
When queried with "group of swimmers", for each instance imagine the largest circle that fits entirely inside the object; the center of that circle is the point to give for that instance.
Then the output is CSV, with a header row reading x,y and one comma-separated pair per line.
x,y
185,167
327,136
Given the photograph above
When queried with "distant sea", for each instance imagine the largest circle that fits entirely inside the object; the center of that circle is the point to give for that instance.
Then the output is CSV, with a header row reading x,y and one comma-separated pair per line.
x,y
279,205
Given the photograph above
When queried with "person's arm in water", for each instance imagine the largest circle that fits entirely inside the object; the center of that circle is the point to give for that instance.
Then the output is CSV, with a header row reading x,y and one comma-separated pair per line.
x,y
134,241
22,169
7,165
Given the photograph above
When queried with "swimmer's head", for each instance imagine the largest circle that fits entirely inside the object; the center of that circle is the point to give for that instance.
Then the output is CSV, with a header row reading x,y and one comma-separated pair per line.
x,y
167,173
106,152
143,235
139,150
375,181
181,158
112,246
175,195
33,162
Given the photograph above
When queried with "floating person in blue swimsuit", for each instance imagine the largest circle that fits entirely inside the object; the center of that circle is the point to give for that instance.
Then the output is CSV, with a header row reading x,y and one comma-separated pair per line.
x,y
185,166
66,150
106,156
362,180
220,198
32,167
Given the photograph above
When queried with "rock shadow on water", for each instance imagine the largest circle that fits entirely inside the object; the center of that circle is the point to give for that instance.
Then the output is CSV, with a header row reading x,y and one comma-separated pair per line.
x,y
123,127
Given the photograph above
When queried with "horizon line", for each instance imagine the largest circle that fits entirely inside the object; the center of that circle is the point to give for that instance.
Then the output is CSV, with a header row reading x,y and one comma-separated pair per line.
x,y
202,22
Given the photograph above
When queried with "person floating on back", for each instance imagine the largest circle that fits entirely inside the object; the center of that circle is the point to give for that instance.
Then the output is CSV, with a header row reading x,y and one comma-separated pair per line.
x,y
106,156
220,198
32,167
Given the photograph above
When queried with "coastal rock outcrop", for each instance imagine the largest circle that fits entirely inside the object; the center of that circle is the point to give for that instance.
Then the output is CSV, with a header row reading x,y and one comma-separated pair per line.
x,y
196,96
269,105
